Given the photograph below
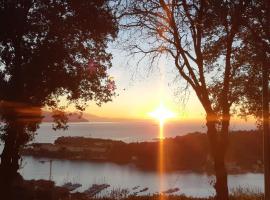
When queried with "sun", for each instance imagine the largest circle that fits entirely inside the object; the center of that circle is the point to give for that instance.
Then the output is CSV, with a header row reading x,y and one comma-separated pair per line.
x,y
162,113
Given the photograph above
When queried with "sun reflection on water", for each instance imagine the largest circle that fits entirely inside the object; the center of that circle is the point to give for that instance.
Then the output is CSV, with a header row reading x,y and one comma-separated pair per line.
x,y
161,159
161,114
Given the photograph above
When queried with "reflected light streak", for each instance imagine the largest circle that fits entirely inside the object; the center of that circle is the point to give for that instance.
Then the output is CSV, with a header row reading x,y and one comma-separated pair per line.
x,y
161,114
161,159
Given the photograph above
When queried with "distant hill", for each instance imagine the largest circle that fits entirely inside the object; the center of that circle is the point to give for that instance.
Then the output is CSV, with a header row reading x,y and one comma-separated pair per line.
x,y
86,117
95,118
74,117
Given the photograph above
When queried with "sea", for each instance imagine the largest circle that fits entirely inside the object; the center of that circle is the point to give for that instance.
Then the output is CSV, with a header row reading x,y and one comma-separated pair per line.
x,y
128,176
134,131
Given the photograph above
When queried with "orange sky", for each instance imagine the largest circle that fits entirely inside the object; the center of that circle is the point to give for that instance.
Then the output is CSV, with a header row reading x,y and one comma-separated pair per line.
x,y
141,91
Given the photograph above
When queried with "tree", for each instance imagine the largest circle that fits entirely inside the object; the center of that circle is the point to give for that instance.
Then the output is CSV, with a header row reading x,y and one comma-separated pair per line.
x,y
266,131
202,40
255,99
50,50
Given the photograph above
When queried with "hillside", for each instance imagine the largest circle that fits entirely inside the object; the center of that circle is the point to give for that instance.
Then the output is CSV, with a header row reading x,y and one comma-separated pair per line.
x,y
73,117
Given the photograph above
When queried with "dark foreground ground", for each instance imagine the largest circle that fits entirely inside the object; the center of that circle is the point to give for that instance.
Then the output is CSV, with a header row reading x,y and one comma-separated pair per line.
x,y
46,190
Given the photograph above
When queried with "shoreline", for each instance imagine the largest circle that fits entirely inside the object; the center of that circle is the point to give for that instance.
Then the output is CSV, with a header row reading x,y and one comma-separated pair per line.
x,y
192,153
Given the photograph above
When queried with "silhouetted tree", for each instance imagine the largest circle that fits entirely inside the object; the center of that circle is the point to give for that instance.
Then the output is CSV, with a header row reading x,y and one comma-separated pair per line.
x,y
255,99
202,40
255,55
50,50
256,50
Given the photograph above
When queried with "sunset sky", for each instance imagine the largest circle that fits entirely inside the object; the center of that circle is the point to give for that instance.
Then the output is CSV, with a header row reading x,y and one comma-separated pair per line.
x,y
140,91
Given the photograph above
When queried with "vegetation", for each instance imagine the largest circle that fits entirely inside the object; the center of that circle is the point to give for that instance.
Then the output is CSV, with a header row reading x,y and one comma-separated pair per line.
x,y
189,152
46,190
49,50
53,55
203,41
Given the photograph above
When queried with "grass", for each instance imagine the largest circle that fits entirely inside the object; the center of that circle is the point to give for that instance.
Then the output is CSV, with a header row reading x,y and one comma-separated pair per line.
x,y
246,194
123,194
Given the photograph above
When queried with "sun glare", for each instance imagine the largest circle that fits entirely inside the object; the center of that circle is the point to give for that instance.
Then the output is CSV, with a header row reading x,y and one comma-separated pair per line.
x,y
162,113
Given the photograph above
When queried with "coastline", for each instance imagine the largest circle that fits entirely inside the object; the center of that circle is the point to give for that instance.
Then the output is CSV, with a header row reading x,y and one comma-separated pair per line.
x,y
143,155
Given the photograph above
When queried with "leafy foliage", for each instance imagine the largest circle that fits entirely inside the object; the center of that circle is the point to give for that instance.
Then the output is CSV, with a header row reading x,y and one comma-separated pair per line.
x,y
52,54
51,49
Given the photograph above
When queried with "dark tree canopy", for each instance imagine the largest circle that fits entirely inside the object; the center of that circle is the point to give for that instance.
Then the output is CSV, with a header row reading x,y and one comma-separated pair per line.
x,y
202,39
255,55
55,48
50,50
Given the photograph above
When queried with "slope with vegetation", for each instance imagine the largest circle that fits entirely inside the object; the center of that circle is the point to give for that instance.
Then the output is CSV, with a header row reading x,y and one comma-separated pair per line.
x,y
189,152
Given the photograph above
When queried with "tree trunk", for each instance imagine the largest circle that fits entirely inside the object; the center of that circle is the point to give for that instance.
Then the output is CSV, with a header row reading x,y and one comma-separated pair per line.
x,y
218,151
7,154
266,132
221,184
10,159
10,154
6,175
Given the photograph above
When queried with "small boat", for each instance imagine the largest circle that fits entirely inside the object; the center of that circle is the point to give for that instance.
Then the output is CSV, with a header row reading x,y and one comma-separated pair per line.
x,y
136,187
95,189
135,193
170,191
144,189
70,186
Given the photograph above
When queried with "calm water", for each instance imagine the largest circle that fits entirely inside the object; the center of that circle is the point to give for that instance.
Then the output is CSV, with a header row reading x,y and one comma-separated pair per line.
x,y
126,131
127,176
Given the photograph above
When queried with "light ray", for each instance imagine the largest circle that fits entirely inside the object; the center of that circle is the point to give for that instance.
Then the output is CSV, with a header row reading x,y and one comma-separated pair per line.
x,y
161,114
161,161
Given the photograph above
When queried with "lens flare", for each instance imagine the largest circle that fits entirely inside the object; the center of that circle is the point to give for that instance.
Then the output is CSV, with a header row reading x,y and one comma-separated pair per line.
x,y
161,162
161,114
